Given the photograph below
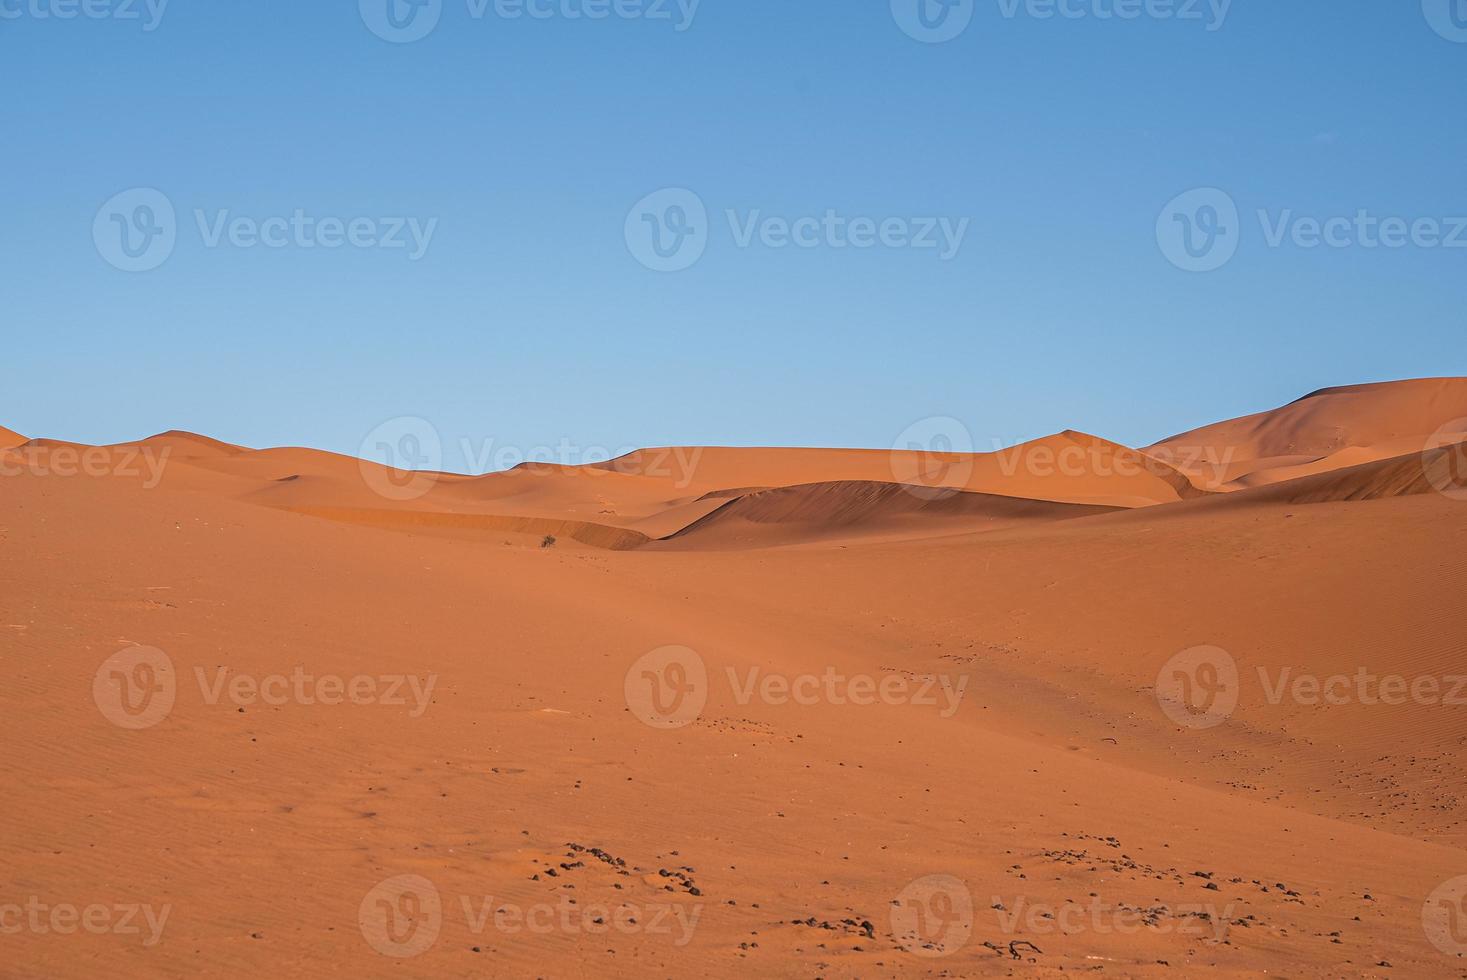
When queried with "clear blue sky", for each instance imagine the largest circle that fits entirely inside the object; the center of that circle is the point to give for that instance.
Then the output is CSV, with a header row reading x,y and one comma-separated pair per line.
x,y
529,321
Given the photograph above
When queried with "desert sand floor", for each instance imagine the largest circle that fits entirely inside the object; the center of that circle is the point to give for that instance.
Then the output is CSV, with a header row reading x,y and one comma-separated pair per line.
x,y
523,788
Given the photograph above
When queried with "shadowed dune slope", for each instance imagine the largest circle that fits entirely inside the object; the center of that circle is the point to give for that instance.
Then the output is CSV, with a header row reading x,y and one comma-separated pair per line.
x,y
1442,470
837,511
1374,420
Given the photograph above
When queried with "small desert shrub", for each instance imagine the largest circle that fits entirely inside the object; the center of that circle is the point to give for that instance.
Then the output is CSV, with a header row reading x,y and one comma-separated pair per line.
x,y
548,541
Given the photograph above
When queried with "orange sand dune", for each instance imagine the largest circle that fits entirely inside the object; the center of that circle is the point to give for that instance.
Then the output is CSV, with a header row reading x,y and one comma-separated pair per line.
x,y
263,718
9,439
190,445
1374,420
184,445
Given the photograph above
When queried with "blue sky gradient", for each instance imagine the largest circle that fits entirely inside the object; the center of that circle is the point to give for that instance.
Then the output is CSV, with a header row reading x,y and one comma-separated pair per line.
x,y
529,321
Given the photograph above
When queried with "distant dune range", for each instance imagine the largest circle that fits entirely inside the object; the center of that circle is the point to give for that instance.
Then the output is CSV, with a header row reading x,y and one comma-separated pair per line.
x,y
1054,582
697,495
